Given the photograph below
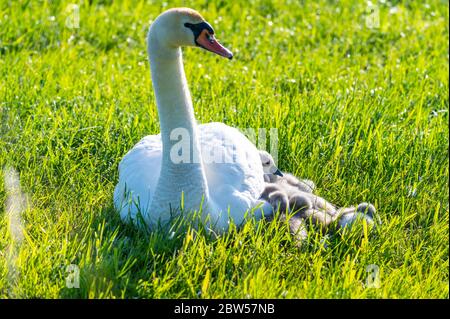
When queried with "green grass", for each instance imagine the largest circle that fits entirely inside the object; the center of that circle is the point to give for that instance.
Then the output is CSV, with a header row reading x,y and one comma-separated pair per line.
x,y
361,111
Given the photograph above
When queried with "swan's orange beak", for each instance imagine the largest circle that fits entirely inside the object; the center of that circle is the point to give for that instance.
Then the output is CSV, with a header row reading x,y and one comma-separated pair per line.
x,y
208,41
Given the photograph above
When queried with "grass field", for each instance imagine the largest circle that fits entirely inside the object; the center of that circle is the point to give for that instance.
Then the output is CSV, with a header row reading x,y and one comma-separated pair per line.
x,y
360,102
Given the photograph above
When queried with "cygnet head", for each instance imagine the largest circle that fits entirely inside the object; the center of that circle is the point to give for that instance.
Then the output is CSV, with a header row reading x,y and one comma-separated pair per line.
x,y
179,27
367,209
268,164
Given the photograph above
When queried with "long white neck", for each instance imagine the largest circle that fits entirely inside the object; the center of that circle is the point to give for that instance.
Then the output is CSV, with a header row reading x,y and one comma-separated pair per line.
x,y
176,116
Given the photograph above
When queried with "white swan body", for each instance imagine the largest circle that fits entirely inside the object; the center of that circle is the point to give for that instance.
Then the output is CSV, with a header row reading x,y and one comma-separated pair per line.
x,y
218,169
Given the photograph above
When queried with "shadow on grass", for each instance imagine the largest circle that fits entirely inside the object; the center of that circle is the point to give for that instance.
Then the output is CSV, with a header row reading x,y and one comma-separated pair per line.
x,y
118,256
121,260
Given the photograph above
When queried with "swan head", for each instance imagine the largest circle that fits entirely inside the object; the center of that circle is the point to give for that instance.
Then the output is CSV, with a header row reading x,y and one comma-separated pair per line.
x,y
180,27
268,164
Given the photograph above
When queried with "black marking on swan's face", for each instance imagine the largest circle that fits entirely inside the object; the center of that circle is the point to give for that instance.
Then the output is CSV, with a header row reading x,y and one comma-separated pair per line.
x,y
204,38
197,29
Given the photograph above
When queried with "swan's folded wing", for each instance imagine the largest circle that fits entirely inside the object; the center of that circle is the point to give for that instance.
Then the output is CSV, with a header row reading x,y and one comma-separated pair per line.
x,y
138,175
233,169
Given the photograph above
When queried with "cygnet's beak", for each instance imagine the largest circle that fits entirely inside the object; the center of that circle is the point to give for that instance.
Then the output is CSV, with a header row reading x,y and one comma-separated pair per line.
x,y
278,172
208,42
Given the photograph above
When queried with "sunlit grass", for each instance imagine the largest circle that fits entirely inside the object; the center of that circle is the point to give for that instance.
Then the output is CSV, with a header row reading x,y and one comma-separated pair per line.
x,y
361,111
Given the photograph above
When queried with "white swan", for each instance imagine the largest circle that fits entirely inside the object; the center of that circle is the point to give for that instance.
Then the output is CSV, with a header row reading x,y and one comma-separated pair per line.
x,y
212,166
